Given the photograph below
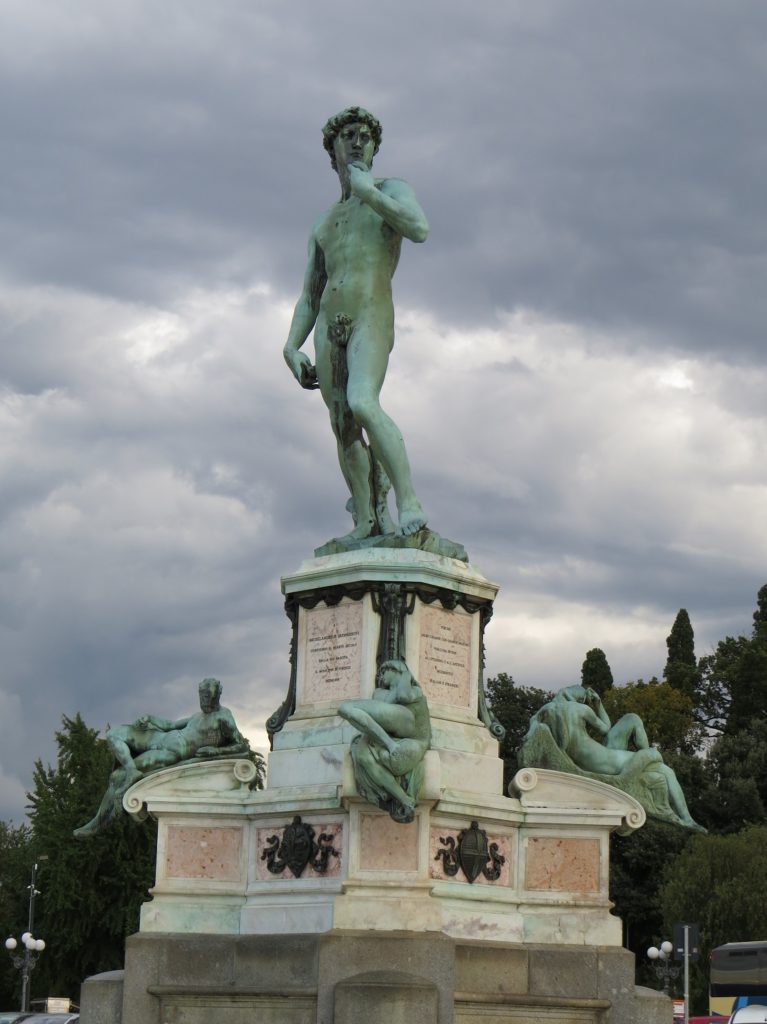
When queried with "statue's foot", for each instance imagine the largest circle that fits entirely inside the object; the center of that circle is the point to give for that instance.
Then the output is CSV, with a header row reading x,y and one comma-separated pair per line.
x,y
89,829
403,813
360,532
131,775
412,518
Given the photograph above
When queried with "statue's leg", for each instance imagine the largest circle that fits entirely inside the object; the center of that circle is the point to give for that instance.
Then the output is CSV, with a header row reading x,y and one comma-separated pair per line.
x,y
384,780
110,806
151,760
353,453
393,788
124,741
382,723
676,798
367,356
628,731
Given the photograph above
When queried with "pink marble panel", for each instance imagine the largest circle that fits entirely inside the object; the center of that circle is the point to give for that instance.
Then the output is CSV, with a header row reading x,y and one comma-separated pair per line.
x,y
387,845
333,653
444,669
436,862
263,835
570,865
203,852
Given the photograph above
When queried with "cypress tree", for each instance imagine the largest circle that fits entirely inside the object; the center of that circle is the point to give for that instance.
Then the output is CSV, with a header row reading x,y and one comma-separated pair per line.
x,y
595,672
760,617
681,671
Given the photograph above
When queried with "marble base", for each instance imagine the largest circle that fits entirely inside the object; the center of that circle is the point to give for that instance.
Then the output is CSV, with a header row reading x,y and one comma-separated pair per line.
x,y
551,843
217,865
381,978
486,906
351,610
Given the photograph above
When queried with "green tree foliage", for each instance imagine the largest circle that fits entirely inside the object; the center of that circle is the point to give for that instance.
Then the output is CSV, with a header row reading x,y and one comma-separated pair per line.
x,y
91,890
748,697
717,881
681,671
718,677
513,706
760,617
667,713
734,684
661,874
15,873
733,680
595,671
734,790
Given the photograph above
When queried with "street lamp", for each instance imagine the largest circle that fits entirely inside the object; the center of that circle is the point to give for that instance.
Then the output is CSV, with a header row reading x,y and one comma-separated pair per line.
x,y
25,961
661,964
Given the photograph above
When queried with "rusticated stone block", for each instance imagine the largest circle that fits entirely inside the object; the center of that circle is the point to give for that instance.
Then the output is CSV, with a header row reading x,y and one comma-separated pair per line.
x,y
386,997
193,957
101,998
282,966
570,972
490,969
424,959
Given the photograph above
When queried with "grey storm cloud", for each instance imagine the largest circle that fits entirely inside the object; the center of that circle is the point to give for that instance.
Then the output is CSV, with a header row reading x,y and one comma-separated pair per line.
x,y
595,162
579,368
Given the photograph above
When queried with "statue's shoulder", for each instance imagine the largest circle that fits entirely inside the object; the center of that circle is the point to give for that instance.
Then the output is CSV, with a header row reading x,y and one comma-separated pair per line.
x,y
392,185
319,221
319,229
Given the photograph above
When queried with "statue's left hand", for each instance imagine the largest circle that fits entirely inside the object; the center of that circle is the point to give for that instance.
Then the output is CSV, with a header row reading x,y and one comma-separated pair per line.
x,y
361,180
206,752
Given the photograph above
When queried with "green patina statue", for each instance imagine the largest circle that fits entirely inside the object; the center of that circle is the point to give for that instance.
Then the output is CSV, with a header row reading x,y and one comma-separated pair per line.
x,y
347,300
151,743
560,737
395,733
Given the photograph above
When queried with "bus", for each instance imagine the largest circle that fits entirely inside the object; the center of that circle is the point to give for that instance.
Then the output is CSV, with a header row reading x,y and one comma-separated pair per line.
x,y
739,969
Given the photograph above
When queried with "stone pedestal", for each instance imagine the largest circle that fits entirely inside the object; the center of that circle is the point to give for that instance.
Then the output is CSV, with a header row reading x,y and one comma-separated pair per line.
x,y
350,612
303,902
101,998
393,978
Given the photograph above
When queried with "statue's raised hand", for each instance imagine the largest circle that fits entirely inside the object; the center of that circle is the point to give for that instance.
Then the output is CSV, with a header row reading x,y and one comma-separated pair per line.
x,y
361,180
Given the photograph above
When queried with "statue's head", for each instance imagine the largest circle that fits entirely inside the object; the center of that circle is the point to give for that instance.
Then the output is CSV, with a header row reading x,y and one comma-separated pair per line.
x,y
210,694
351,116
395,668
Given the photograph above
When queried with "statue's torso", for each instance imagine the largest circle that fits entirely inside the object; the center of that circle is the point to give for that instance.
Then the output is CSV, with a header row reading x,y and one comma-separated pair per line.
x,y
360,252
202,730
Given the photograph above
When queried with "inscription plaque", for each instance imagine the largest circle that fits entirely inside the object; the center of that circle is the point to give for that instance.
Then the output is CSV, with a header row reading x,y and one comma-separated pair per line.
x,y
445,662
333,652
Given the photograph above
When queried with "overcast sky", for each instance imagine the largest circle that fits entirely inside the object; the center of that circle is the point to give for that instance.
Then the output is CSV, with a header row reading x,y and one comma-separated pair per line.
x,y
579,370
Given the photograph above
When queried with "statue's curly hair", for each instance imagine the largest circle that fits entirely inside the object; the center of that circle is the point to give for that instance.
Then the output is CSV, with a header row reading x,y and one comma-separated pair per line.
x,y
216,685
395,665
352,115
